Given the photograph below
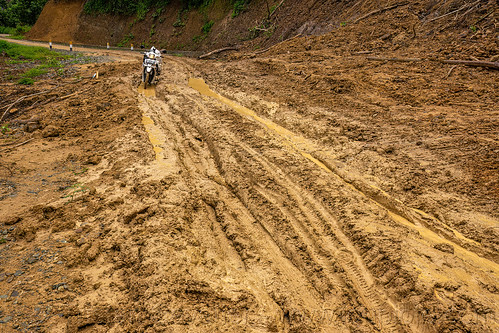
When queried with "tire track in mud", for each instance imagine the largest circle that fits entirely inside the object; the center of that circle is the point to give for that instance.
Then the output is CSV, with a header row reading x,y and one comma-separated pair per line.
x,y
323,252
342,252
225,137
233,225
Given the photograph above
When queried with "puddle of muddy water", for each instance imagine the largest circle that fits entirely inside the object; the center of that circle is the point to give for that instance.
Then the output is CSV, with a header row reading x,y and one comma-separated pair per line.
x,y
163,164
304,147
150,91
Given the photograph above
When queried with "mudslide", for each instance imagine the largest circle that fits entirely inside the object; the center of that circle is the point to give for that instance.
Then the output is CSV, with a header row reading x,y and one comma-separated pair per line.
x,y
214,212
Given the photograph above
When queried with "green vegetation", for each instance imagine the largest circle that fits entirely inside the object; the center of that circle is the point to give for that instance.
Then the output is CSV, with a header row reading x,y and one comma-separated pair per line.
x,y
22,52
126,40
15,13
34,72
157,13
239,7
180,19
26,81
207,27
44,58
139,8
4,129
125,7
7,30
75,189
205,30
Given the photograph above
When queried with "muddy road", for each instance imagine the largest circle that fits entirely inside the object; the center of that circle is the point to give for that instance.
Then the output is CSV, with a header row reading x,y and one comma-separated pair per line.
x,y
258,194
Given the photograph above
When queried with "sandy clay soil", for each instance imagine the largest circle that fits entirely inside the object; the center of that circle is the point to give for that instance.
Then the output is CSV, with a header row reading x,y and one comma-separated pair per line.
x,y
303,189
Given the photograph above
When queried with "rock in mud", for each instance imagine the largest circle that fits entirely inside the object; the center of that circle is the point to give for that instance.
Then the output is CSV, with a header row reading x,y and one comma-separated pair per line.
x,y
50,131
12,220
93,251
444,247
94,160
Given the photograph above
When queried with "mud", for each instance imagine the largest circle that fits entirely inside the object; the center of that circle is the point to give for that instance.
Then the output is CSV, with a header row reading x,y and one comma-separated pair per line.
x,y
279,193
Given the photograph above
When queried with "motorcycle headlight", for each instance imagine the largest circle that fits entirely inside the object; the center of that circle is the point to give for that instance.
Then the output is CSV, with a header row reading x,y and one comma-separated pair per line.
x,y
152,56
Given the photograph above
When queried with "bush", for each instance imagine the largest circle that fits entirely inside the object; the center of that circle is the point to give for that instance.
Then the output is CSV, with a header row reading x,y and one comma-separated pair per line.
x,y
207,27
125,7
7,30
20,12
239,7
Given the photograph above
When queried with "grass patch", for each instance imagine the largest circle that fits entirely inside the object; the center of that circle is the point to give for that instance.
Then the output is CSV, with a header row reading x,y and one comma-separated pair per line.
x,y
23,52
239,7
126,40
207,27
42,58
34,72
26,80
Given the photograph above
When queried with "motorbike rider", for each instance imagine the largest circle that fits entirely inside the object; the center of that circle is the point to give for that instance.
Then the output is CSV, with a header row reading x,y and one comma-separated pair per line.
x,y
157,56
158,59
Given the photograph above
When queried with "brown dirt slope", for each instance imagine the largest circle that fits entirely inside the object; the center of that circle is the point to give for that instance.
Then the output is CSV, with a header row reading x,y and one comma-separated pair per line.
x,y
177,29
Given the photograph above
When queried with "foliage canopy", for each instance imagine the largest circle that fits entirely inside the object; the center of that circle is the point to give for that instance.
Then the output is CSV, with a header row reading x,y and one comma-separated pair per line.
x,y
20,12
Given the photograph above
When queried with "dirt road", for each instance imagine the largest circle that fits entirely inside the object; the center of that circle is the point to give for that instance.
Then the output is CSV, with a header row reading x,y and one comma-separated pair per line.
x,y
269,199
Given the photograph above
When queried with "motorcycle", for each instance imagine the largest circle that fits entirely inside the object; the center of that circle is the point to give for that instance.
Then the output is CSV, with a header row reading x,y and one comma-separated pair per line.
x,y
150,68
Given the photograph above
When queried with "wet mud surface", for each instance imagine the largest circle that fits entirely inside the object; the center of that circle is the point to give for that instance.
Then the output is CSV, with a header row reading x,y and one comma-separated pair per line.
x,y
255,195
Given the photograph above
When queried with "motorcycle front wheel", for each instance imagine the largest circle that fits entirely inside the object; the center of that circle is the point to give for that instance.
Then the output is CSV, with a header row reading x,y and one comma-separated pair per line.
x,y
146,80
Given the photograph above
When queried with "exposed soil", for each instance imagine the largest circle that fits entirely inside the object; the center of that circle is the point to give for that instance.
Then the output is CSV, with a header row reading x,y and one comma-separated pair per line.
x,y
303,189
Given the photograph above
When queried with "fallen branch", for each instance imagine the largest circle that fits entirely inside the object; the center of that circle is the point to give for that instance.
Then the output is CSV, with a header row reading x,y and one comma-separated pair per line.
x,y
394,59
382,10
276,8
454,11
362,52
483,18
268,48
473,63
450,72
18,145
21,99
218,51
73,94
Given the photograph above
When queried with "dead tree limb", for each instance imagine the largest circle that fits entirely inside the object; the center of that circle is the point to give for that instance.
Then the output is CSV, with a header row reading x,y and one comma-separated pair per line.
x,y
483,18
473,63
362,52
270,47
382,10
394,59
450,72
18,145
218,51
21,99
276,8
73,94
454,11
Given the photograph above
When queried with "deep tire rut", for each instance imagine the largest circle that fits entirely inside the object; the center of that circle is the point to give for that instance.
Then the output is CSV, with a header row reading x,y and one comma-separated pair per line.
x,y
310,239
